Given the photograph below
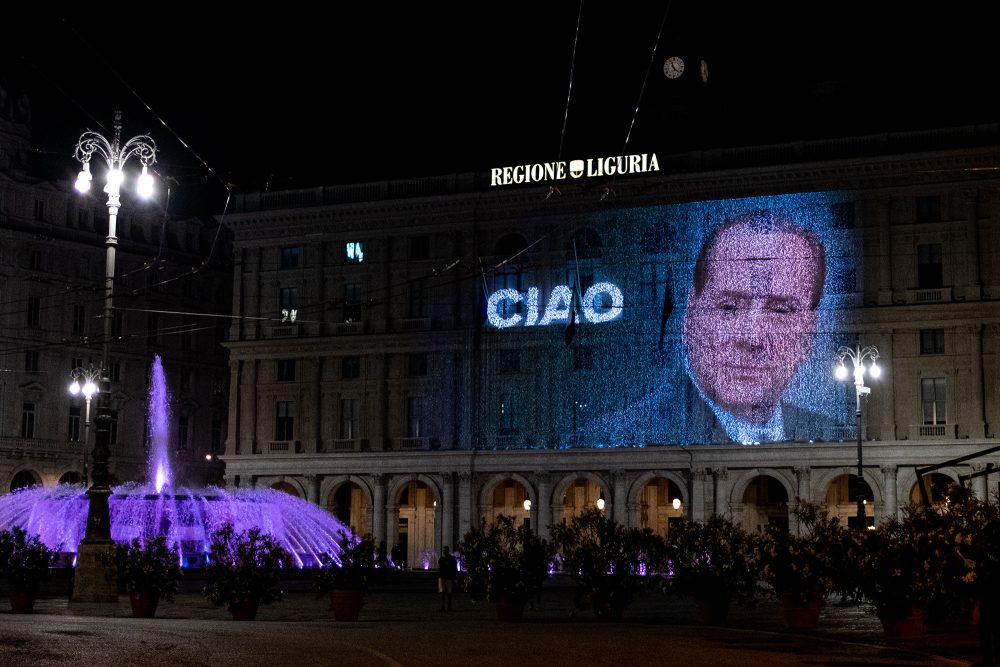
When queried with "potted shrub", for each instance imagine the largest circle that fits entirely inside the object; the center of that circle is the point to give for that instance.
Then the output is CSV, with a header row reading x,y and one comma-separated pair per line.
x,y
345,577
713,562
905,567
802,570
505,564
24,562
149,572
608,560
243,570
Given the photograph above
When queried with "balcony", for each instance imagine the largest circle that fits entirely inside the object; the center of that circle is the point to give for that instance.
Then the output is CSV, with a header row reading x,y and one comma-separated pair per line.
x,y
285,331
933,431
281,447
37,445
922,296
416,324
412,444
844,433
342,445
349,327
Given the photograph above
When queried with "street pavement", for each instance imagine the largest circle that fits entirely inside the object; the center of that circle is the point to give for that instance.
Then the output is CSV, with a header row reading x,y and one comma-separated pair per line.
x,y
401,625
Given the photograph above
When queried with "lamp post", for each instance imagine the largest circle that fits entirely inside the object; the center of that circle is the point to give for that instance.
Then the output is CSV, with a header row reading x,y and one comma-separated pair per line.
x,y
92,583
858,355
85,380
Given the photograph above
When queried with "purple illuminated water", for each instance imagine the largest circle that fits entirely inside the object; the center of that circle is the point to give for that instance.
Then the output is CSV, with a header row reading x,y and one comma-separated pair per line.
x,y
187,516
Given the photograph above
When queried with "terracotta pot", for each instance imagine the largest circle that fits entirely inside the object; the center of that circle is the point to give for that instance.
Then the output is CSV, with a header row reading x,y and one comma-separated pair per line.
x,y
346,604
712,610
244,611
510,610
22,598
144,603
908,628
801,615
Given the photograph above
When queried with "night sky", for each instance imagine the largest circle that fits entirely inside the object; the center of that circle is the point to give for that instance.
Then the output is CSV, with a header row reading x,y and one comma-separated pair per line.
x,y
297,96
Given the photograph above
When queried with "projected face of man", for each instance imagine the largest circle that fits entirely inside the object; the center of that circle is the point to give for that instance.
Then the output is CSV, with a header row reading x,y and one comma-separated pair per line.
x,y
751,314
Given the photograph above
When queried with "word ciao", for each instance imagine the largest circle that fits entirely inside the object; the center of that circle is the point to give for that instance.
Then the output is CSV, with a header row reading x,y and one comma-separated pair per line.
x,y
507,308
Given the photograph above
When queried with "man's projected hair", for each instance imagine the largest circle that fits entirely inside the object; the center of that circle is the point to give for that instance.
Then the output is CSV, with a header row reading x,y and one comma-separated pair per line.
x,y
764,222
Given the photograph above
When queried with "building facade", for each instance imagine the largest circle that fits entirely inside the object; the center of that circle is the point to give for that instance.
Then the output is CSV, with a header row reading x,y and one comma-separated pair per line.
x,y
421,356
52,265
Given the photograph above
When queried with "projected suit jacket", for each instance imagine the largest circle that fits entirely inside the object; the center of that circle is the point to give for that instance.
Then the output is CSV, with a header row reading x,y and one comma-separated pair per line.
x,y
678,414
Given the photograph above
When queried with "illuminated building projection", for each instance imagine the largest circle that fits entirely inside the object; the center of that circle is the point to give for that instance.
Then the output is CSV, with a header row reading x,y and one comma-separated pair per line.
x,y
705,322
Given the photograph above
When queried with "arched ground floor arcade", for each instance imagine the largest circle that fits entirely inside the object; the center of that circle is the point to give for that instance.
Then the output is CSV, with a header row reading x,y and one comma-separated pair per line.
x,y
420,501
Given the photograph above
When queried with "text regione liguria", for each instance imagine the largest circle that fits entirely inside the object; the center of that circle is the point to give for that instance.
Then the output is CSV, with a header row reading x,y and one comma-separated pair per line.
x,y
602,302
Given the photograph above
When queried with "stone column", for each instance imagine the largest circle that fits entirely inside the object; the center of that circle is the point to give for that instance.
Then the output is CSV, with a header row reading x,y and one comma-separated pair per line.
x,y
979,485
448,509
466,506
720,505
883,392
378,510
312,484
391,525
974,399
882,215
251,398
619,496
803,493
233,441
317,397
974,290
543,518
695,509
890,506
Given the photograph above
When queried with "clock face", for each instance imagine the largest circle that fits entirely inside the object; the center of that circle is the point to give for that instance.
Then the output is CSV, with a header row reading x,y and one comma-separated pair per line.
x,y
673,67
704,71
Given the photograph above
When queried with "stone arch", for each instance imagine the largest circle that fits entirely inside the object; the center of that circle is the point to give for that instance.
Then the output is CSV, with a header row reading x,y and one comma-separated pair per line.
x,y
417,524
286,487
286,482
752,517
24,478
559,509
846,508
487,489
70,477
646,512
822,479
939,479
359,518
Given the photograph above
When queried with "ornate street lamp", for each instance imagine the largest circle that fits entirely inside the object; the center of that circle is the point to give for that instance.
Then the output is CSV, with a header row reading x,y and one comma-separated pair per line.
x,y
858,355
92,563
84,380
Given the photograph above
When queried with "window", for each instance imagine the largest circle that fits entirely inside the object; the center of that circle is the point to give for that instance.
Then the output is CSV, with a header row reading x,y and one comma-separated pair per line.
x,y
930,274
928,209
415,417
113,428
583,358
350,368
932,396
584,244
418,298
31,361
932,341
83,219
350,410
354,253
652,279
33,313
182,434
115,371
187,379
186,328
39,209
420,247
352,302
73,431
416,364
509,361
508,415
284,420
289,298
843,215
27,420
75,363
152,328
116,324
79,318
286,370
290,258
35,260
509,278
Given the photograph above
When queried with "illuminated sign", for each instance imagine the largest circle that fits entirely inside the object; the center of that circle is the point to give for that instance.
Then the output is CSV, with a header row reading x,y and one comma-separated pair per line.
x,y
616,165
602,302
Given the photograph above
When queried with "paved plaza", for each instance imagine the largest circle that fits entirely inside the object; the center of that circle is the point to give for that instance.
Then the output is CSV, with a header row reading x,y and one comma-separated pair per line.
x,y
401,625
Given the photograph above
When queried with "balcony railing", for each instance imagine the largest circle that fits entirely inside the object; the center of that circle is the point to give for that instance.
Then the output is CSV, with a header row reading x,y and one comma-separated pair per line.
x,y
280,447
932,431
412,443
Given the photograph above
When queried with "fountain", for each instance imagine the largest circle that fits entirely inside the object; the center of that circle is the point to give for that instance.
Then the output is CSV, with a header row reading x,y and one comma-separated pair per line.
x,y
188,517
